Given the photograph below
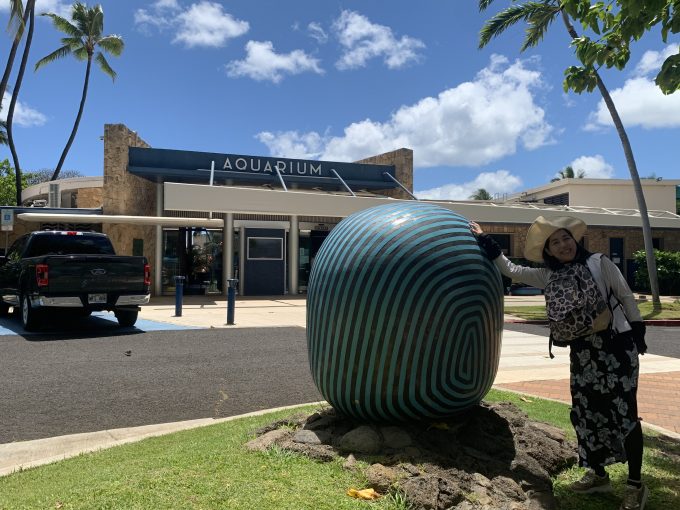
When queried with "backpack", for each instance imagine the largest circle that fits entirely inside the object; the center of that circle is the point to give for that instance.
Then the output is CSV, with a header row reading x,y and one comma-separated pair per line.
x,y
574,304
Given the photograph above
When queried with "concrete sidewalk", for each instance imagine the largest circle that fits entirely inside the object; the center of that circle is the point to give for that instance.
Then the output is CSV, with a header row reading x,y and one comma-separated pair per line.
x,y
524,366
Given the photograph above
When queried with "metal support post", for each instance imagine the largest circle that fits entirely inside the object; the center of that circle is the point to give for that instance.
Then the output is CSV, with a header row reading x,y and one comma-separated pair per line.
x,y
179,293
231,293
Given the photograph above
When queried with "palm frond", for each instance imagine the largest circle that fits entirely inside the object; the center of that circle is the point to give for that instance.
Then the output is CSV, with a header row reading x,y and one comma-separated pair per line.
x,y
104,65
507,18
64,25
97,24
501,22
484,4
15,25
55,55
81,53
72,42
113,44
539,22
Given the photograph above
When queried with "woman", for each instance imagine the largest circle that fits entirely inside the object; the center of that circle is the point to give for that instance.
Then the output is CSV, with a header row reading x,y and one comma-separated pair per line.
x,y
604,365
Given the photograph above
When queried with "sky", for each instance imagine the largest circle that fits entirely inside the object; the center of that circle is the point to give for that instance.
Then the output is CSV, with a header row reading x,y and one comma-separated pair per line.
x,y
342,81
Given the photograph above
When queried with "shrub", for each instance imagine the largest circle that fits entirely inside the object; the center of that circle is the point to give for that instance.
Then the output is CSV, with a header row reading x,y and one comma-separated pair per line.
x,y
667,270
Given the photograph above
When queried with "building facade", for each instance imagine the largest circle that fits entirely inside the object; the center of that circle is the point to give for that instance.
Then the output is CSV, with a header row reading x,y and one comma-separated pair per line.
x,y
213,217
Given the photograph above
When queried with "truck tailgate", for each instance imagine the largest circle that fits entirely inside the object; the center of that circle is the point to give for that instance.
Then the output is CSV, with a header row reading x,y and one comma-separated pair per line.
x,y
95,273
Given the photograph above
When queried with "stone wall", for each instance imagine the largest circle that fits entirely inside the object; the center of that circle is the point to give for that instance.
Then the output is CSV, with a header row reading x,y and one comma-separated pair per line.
x,y
126,194
402,159
89,198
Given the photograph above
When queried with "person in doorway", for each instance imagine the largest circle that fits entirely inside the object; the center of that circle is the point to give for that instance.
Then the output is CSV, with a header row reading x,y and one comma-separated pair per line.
x,y
592,310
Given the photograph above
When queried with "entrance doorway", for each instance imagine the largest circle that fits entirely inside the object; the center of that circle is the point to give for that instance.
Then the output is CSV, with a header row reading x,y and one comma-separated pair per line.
x,y
196,254
264,262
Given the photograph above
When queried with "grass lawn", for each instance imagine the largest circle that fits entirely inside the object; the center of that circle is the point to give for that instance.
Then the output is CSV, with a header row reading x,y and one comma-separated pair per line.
x,y
209,468
668,311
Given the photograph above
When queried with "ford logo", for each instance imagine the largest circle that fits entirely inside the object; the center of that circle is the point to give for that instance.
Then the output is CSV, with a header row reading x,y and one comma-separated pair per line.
x,y
98,272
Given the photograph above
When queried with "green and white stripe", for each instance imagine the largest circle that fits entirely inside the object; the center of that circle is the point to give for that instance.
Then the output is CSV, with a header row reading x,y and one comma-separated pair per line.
x,y
404,315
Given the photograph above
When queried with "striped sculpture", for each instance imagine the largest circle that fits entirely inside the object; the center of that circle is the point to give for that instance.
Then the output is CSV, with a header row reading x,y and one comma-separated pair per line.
x,y
404,315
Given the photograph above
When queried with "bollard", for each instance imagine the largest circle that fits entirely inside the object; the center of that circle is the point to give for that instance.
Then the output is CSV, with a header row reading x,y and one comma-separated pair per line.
x,y
179,293
231,292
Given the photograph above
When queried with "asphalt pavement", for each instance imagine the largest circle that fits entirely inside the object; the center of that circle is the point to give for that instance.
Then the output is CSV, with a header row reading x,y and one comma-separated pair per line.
x,y
55,385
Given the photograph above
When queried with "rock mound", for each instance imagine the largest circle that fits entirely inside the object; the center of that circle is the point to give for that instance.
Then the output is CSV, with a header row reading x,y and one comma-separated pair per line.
x,y
491,457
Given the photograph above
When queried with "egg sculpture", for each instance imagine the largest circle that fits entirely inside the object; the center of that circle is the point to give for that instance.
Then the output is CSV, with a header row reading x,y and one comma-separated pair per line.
x,y
404,315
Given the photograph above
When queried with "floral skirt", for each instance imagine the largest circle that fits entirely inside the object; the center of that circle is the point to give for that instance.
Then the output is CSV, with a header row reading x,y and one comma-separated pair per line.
x,y
604,380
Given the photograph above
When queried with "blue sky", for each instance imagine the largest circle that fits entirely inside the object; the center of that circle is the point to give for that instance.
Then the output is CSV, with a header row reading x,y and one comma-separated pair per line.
x,y
341,81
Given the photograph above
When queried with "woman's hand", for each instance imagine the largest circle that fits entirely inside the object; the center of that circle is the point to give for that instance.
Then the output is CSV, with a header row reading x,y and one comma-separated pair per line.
x,y
475,228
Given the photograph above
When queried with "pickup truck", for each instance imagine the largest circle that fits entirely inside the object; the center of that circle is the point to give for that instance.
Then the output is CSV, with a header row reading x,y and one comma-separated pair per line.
x,y
60,270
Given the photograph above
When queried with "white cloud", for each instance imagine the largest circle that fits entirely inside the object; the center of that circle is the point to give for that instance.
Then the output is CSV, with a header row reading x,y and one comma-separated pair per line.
x,y
59,7
652,61
363,40
201,24
306,146
317,32
498,183
640,102
206,24
594,167
263,63
24,115
471,124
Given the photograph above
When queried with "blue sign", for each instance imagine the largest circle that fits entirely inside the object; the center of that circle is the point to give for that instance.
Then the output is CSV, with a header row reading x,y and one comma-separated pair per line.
x,y
163,165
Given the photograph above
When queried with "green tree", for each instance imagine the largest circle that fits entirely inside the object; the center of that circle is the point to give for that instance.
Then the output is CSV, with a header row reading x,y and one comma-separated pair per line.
x,y
568,173
83,37
620,22
30,14
7,184
481,194
539,16
3,132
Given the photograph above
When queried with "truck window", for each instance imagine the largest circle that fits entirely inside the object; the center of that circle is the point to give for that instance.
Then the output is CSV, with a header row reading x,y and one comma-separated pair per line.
x,y
14,252
69,245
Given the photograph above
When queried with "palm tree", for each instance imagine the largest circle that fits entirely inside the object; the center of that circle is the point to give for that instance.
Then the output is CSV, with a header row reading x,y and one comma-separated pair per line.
x,y
568,173
481,194
84,36
18,18
3,132
539,15
30,13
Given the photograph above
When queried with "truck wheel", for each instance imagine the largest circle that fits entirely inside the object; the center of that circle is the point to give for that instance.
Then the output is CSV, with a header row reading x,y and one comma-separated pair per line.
x,y
126,318
29,317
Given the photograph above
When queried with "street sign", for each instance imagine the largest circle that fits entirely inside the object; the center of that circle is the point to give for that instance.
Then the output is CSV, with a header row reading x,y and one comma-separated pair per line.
x,y
7,220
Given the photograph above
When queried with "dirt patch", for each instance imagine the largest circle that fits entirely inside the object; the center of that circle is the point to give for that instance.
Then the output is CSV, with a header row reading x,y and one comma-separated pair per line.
x,y
490,457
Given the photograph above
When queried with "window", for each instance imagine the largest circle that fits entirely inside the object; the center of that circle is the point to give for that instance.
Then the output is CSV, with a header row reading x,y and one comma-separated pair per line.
x,y
657,243
562,199
265,248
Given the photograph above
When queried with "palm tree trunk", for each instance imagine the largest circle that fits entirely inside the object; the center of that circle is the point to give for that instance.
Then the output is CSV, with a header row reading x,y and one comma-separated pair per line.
x,y
15,95
635,177
13,52
77,122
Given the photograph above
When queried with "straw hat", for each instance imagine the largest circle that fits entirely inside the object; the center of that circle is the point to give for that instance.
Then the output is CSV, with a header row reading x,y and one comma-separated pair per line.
x,y
542,228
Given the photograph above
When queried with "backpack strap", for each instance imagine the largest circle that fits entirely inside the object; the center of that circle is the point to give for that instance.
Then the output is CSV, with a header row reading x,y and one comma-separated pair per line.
x,y
619,319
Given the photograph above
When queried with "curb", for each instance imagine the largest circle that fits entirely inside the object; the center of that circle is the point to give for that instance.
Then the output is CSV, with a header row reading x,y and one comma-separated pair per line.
x,y
22,455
